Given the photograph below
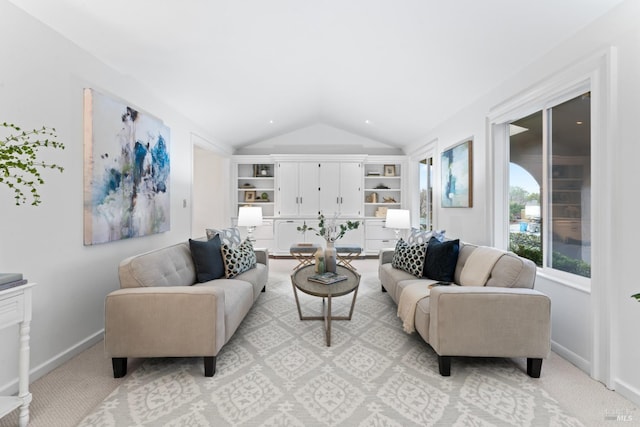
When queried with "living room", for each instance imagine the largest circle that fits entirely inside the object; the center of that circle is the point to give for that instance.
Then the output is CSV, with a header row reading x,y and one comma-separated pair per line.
x,y
42,82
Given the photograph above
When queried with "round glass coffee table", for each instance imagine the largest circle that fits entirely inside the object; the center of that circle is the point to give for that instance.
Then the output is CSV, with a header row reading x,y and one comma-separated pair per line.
x,y
299,281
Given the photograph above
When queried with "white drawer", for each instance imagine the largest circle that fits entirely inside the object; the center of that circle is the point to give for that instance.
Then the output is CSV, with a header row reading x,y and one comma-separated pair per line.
x,y
11,309
376,245
379,231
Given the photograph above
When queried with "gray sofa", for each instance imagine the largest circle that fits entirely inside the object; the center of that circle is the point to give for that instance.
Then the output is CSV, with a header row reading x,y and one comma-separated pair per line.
x,y
160,310
504,318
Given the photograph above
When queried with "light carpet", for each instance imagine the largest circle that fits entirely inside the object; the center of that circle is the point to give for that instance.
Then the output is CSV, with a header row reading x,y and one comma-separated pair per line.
x,y
277,371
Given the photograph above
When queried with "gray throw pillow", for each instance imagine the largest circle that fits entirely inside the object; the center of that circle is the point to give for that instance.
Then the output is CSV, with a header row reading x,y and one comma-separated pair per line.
x,y
229,236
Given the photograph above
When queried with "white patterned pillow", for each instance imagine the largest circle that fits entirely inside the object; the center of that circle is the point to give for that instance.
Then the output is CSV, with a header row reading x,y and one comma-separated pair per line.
x,y
239,259
417,236
409,258
229,236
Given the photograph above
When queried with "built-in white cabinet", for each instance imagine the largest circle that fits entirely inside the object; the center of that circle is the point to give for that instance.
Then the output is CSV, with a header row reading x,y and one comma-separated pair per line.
x,y
298,190
294,189
341,189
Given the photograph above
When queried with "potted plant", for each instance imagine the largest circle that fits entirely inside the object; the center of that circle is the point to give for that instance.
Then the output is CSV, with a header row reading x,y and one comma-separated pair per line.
x,y
330,232
20,169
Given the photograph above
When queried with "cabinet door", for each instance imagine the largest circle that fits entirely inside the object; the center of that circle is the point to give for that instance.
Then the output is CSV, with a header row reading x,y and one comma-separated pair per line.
x,y
309,197
330,189
350,189
288,188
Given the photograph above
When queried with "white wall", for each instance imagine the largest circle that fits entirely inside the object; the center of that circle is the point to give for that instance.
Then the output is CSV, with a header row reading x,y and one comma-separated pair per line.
x,y
211,191
574,311
319,138
41,81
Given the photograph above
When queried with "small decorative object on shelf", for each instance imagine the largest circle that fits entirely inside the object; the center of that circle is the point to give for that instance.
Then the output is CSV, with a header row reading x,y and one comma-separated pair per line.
x,y
381,187
389,170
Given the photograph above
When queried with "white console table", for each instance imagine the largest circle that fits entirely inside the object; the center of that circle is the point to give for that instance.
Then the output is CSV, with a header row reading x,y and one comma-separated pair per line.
x,y
15,308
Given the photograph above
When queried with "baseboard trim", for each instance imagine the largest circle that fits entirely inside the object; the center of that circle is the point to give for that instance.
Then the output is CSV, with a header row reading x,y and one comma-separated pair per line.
x,y
582,363
57,360
628,391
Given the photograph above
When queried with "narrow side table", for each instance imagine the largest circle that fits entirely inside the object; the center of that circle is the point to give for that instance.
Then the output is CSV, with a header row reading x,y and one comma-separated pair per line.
x,y
15,308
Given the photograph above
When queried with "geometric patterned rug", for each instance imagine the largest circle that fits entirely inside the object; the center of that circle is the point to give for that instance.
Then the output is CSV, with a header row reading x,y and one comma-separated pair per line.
x,y
277,371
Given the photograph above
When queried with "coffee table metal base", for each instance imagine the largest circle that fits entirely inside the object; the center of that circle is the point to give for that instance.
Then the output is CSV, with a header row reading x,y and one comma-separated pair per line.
x,y
327,316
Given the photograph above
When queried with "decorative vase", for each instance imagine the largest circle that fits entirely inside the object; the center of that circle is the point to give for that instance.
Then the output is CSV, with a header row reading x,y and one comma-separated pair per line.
x,y
330,257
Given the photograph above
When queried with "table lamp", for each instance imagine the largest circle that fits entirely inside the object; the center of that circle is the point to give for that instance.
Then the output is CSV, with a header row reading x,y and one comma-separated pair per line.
x,y
250,217
398,219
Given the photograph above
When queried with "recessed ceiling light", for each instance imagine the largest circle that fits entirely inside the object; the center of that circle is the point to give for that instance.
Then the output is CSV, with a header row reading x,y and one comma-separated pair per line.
x,y
579,122
271,122
368,121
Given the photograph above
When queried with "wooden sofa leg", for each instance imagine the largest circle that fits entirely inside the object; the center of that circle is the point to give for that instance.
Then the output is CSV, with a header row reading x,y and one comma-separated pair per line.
x,y
534,366
209,366
264,288
383,289
119,366
444,365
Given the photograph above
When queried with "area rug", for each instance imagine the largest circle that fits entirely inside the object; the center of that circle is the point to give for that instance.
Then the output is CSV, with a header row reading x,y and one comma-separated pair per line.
x,y
278,371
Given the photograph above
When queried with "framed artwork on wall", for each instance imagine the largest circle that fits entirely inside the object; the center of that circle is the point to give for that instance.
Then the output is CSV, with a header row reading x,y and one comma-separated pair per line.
x,y
456,176
126,171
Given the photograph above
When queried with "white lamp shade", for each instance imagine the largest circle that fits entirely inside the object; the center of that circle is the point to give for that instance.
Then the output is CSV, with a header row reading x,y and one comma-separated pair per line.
x,y
398,219
250,216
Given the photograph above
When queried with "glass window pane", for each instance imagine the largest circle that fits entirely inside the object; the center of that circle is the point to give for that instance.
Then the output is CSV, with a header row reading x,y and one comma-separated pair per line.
x,y
570,182
525,187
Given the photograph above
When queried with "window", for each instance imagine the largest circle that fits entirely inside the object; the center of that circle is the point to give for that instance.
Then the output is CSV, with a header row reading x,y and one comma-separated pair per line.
x,y
426,192
550,186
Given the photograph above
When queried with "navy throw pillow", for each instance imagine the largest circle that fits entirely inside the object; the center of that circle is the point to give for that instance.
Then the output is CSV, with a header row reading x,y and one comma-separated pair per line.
x,y
442,257
207,257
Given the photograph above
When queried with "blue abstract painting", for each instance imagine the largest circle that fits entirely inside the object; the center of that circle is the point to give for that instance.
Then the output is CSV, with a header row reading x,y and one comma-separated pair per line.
x,y
457,176
126,171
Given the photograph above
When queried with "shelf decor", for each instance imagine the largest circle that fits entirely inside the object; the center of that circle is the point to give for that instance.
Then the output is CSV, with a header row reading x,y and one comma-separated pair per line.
x,y
126,171
457,176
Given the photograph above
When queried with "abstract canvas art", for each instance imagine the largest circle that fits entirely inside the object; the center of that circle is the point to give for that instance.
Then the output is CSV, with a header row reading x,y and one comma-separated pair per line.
x,y
126,171
456,176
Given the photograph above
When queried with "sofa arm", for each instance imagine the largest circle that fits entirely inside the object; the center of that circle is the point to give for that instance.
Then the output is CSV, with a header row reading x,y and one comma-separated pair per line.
x,y
262,256
164,321
385,256
489,322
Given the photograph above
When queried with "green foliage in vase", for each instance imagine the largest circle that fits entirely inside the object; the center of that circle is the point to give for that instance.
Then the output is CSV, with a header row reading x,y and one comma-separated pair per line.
x,y
636,296
330,230
20,169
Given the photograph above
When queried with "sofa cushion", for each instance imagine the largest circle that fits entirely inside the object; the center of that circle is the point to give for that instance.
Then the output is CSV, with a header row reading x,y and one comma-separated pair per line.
x,y
440,261
229,236
207,258
422,237
409,258
239,259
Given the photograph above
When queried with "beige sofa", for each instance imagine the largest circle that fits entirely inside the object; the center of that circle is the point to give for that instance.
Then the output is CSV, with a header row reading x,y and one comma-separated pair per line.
x,y
504,318
161,312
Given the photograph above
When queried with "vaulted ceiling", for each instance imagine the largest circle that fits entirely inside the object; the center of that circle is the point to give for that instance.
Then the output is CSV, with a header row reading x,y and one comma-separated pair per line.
x,y
247,70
